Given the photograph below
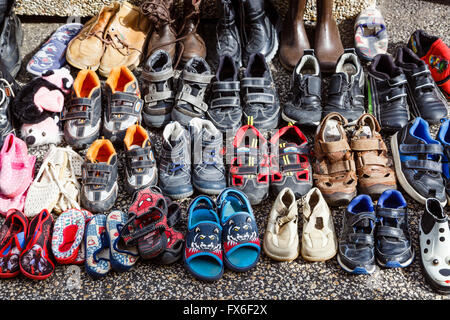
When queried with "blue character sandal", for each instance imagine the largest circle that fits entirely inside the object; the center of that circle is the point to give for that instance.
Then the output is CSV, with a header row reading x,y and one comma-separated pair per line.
x,y
241,243
52,55
97,247
122,257
68,233
203,251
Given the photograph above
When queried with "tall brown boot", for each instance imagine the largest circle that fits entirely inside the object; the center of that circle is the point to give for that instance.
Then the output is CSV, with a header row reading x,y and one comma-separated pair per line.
x,y
192,44
328,45
159,12
293,35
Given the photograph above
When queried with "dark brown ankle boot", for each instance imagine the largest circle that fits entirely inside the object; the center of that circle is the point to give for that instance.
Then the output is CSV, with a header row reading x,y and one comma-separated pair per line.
x,y
328,45
293,35
159,12
192,43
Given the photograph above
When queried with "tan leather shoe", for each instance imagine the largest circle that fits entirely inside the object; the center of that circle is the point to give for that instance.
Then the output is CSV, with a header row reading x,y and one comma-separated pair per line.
x,y
373,166
334,167
86,50
163,36
328,45
293,38
125,37
319,240
192,43
281,241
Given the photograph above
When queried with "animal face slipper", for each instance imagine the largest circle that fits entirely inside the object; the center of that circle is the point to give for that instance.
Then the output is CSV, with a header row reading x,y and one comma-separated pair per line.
x,y
241,243
122,256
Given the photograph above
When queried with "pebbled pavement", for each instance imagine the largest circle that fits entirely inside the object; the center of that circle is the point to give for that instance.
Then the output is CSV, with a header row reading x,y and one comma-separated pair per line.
x,y
269,279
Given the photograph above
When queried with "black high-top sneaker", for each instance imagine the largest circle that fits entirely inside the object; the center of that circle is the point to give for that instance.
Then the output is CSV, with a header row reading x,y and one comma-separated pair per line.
x,y
11,37
8,88
258,33
228,41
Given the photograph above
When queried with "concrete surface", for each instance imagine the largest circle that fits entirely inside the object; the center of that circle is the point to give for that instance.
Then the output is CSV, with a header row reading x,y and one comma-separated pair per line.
x,y
269,279
83,8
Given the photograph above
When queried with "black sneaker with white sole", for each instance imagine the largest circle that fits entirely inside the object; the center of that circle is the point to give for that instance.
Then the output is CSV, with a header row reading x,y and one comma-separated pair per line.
x,y
304,105
424,97
387,93
346,89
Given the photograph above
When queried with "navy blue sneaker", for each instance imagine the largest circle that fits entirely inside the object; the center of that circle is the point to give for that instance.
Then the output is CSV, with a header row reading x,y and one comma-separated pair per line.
x,y
393,244
356,244
444,138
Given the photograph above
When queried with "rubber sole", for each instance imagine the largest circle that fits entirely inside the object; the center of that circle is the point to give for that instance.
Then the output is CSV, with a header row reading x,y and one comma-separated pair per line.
x,y
357,270
401,177
395,264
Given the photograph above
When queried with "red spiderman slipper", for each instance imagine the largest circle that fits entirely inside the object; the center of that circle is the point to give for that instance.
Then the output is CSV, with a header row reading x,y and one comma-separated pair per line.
x,y
37,261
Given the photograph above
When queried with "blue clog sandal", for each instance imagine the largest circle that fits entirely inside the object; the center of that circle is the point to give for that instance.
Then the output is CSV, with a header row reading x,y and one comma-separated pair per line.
x,y
97,247
241,243
203,250
122,257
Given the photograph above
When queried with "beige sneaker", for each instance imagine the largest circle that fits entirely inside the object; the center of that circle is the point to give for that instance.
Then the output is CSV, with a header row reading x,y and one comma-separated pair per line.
x,y
56,187
125,37
86,50
319,241
281,240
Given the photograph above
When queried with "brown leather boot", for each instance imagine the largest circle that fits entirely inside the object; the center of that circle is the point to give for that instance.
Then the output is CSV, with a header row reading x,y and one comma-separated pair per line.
x,y
293,39
125,39
192,44
159,12
328,45
86,50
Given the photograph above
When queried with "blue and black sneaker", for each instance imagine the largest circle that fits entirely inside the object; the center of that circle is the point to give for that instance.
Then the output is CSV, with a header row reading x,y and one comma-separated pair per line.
x,y
444,138
393,244
356,244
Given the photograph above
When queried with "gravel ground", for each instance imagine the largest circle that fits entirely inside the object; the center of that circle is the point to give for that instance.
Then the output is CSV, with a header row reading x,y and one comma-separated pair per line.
x,y
269,279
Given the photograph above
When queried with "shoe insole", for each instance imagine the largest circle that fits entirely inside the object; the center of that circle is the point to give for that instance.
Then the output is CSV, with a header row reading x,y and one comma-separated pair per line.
x,y
203,215
331,132
69,236
371,31
205,266
349,68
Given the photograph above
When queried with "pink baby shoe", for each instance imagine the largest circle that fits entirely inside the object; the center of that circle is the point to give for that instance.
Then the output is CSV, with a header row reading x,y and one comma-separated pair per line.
x,y
16,167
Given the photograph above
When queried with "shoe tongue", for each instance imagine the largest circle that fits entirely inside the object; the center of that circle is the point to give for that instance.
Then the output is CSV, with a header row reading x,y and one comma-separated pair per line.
x,y
287,148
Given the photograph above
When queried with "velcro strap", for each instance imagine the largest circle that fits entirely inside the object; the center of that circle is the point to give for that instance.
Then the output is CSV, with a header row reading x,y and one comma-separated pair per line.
x,y
391,213
142,164
247,170
138,152
259,97
124,97
226,86
298,150
385,231
356,218
365,144
423,83
80,102
159,96
427,165
75,115
396,81
255,83
336,84
369,159
198,78
100,167
314,86
157,76
291,167
395,93
341,166
95,181
334,146
225,102
361,238
193,100
123,110
421,148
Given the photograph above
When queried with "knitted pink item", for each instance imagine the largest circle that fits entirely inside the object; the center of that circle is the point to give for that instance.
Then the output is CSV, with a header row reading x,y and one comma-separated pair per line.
x,y
16,167
17,202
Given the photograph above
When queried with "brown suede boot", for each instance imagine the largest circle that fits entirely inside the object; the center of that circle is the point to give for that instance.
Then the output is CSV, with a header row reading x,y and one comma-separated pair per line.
x,y
293,38
159,12
125,39
86,50
192,44
328,45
